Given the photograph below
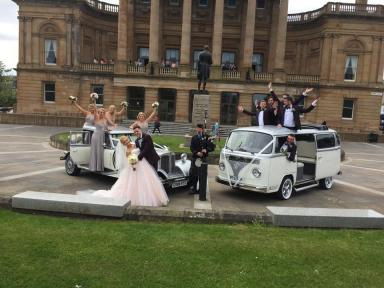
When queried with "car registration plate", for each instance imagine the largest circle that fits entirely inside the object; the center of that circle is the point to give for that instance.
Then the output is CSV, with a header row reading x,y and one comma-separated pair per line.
x,y
179,183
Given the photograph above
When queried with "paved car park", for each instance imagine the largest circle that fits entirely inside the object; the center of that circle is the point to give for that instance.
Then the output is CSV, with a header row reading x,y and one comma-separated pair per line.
x,y
28,163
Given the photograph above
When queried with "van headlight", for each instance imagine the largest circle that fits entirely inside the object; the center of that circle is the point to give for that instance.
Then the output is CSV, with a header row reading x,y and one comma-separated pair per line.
x,y
256,172
222,166
183,157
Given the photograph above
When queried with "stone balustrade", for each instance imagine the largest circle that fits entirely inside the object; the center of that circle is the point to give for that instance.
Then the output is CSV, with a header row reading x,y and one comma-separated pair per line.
x,y
103,7
97,67
307,79
135,69
230,74
267,77
337,9
166,71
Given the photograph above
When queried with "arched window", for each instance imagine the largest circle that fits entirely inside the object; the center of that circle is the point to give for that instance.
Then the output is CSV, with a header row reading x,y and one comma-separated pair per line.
x,y
352,50
49,37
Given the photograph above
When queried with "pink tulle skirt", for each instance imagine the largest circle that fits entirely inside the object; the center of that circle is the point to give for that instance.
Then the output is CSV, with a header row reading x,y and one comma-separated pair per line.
x,y
141,186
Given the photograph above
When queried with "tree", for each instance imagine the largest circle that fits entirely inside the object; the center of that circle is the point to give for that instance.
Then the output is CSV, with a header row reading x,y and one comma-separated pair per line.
x,y
7,87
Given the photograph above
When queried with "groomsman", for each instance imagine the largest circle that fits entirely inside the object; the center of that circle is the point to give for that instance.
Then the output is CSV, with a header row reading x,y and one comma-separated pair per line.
x,y
264,115
289,115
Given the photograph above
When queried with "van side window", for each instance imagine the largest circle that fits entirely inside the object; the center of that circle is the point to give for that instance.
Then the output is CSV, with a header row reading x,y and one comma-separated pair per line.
x,y
325,141
279,142
337,140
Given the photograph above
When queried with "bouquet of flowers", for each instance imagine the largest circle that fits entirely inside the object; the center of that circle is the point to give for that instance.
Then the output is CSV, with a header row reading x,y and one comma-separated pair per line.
x,y
284,149
72,98
155,105
94,96
124,103
132,160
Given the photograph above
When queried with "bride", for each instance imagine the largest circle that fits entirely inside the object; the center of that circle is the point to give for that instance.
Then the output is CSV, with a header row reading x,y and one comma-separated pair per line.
x,y
138,181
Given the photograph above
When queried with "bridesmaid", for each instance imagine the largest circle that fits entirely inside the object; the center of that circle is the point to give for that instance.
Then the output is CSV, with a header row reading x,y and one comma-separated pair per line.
x,y
96,162
89,114
142,121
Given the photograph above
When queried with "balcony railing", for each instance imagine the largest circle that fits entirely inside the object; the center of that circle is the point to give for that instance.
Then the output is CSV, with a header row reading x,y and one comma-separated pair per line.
x,y
230,74
103,7
97,67
262,77
166,71
135,69
337,9
306,79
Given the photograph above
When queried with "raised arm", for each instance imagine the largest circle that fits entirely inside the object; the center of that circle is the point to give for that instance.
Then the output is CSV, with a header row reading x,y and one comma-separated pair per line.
x,y
242,110
123,108
152,115
81,109
302,96
133,124
310,108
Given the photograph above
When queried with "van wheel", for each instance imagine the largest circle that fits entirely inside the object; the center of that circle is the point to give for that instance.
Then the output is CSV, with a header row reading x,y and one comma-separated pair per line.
x,y
286,188
71,168
326,183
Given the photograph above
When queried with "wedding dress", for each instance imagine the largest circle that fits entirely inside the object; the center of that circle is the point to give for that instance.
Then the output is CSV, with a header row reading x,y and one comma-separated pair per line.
x,y
138,183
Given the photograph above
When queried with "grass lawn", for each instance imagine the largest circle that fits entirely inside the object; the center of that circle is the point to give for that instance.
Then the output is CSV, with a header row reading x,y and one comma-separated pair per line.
x,y
45,251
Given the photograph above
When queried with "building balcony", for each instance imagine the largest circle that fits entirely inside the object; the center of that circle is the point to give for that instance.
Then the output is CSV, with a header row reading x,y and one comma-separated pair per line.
x,y
337,9
104,68
136,69
303,79
102,6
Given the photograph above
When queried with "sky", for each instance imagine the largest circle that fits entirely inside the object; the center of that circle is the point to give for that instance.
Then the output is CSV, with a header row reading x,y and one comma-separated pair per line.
x,y
9,24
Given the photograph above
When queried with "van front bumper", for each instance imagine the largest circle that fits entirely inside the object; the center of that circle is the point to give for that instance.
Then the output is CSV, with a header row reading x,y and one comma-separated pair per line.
x,y
261,189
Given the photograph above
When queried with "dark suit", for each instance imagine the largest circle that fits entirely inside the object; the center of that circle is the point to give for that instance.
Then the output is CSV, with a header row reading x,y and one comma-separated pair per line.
x,y
269,116
291,151
147,150
280,105
296,110
197,145
203,65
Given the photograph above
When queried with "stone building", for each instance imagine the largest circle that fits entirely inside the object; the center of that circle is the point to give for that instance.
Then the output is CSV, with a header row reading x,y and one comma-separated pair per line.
x,y
143,51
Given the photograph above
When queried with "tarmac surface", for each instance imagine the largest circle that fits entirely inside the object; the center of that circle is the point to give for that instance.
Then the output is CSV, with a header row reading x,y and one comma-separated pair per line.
x,y
28,163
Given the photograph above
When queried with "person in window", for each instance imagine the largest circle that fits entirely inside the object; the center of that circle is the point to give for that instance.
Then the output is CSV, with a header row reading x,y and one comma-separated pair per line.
x,y
289,148
289,114
263,116
203,67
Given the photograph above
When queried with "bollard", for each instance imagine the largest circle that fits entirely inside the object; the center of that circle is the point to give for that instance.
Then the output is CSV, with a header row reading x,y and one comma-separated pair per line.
x,y
203,175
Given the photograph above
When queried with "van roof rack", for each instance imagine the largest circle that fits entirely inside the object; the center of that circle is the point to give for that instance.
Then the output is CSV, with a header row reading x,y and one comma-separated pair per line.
x,y
314,126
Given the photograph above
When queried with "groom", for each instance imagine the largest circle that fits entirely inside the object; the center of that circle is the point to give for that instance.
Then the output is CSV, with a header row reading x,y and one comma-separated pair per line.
x,y
145,144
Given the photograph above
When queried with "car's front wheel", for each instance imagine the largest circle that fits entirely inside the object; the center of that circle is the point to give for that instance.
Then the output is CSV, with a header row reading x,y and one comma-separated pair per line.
x,y
71,168
326,183
286,188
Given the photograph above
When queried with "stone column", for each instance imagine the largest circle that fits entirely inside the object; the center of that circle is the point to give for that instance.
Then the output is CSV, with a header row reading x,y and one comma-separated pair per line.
x,y
182,106
151,95
217,39
185,56
131,31
76,43
281,37
325,58
249,37
121,61
68,20
272,38
381,62
21,39
375,57
28,40
333,58
154,37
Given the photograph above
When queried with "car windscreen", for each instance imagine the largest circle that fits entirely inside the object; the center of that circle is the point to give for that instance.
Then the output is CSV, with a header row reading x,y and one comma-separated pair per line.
x,y
248,141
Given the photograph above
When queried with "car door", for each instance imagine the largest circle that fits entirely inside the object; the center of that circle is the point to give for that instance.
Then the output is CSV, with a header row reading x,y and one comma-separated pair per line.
x,y
328,155
80,146
109,153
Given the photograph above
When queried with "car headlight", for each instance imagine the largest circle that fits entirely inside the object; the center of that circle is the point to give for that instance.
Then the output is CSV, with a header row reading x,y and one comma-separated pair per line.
x,y
183,157
256,172
222,166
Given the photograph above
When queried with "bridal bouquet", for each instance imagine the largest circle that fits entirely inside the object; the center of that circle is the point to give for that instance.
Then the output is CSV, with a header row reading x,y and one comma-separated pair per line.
x,y
94,96
155,105
284,149
124,103
72,98
132,160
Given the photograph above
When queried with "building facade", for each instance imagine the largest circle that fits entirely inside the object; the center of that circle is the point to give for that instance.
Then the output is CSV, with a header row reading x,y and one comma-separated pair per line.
x,y
143,51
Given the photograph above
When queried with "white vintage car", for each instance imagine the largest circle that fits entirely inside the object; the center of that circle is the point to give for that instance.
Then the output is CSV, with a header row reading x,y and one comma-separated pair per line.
x,y
173,173
252,159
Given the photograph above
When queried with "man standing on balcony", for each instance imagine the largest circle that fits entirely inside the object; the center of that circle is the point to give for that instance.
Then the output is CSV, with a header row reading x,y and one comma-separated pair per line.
x,y
203,67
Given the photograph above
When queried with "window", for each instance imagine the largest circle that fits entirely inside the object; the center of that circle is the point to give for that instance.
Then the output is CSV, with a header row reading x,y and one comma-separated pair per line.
x,y
203,3
279,143
228,58
258,62
256,98
143,56
49,92
196,54
348,106
146,1
50,52
167,109
260,4
325,141
172,58
247,141
350,68
135,97
228,109
99,89
174,2
231,3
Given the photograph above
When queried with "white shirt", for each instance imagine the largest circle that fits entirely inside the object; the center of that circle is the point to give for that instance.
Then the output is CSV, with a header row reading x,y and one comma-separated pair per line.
x,y
289,121
261,118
